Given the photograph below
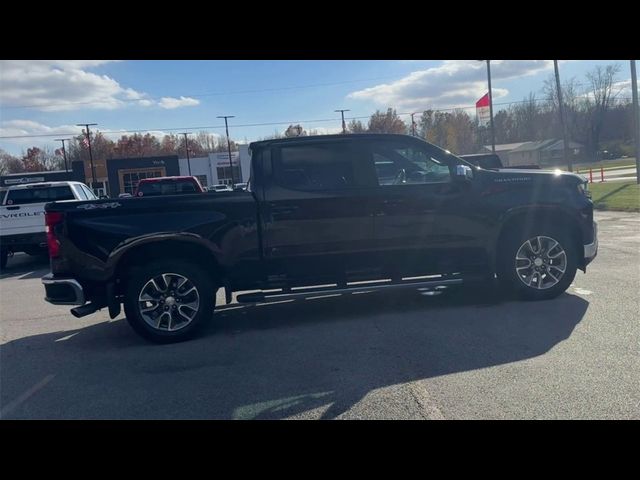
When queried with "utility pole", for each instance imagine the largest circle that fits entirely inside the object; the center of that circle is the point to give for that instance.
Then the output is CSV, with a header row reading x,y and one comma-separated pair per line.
x,y
344,125
413,125
565,135
636,116
226,126
186,147
64,152
493,131
88,134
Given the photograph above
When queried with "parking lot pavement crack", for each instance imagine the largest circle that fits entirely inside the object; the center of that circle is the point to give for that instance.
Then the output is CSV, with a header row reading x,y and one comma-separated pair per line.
x,y
428,409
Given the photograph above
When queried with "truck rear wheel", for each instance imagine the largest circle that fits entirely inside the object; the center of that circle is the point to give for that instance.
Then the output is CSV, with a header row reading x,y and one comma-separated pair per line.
x,y
168,301
538,264
4,255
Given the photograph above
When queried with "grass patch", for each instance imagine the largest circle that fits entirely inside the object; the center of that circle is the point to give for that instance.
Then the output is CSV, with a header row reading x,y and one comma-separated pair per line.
x,y
618,162
621,196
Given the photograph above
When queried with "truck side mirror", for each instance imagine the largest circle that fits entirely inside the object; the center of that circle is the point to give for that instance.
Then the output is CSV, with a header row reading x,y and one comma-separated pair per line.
x,y
464,172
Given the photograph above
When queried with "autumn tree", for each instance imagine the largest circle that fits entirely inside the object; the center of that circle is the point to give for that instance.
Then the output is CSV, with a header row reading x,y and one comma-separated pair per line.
x,y
137,145
10,164
39,160
388,122
169,144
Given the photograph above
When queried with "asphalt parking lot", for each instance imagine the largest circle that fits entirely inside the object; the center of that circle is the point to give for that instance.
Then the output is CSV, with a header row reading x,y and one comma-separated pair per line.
x,y
468,353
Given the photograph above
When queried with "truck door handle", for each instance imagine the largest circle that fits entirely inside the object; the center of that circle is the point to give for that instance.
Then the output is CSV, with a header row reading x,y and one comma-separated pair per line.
x,y
15,207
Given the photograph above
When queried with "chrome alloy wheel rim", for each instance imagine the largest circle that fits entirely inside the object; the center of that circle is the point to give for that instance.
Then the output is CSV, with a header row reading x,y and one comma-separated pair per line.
x,y
540,262
168,302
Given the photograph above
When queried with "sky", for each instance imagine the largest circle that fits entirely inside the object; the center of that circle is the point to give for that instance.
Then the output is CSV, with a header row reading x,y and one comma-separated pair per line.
x,y
44,100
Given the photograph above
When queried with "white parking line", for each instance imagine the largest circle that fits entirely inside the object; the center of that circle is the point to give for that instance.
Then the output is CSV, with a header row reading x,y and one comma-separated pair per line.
x,y
25,396
582,291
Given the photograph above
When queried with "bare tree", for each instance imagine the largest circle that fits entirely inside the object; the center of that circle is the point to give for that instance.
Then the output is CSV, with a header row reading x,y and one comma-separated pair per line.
x,y
295,131
526,122
207,141
600,97
356,126
572,106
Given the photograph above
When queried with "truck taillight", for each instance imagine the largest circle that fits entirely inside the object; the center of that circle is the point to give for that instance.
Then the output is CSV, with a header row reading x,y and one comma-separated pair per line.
x,y
51,220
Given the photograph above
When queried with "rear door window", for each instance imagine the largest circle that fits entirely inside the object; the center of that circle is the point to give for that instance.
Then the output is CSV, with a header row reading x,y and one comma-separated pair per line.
x,y
326,166
82,195
90,194
25,196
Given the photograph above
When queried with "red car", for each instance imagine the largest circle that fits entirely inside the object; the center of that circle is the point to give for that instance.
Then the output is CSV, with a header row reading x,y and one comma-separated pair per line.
x,y
167,186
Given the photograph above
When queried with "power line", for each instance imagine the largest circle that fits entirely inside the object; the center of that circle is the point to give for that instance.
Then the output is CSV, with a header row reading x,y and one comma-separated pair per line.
x,y
263,124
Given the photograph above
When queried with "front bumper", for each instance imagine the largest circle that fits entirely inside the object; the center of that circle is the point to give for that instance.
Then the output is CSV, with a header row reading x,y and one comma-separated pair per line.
x,y
591,249
63,291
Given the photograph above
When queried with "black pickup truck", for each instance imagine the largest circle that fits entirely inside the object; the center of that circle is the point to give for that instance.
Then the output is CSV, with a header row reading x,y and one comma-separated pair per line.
x,y
333,213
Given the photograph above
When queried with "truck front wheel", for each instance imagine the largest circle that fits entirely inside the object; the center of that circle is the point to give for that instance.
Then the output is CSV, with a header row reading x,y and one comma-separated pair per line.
x,y
168,301
538,264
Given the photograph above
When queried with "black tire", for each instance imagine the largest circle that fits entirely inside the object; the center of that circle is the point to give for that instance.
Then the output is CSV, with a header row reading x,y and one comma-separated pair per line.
x,y
508,276
140,276
4,255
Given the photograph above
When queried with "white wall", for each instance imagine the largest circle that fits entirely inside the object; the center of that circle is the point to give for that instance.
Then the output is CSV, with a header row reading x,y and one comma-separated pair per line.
x,y
199,166
245,162
208,165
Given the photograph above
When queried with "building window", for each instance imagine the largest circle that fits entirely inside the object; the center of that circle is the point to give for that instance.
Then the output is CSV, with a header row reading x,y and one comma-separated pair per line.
x,y
99,188
129,178
224,175
202,179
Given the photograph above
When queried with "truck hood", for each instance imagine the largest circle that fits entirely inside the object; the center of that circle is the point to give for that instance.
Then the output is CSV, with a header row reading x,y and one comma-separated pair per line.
x,y
516,175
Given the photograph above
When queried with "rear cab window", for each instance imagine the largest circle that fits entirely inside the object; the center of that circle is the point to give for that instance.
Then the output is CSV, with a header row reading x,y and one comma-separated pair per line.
x,y
166,188
25,196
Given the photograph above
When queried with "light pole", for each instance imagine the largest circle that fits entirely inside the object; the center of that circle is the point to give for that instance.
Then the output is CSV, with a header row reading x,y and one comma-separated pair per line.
x,y
88,133
636,116
413,125
565,136
344,125
226,126
493,132
186,147
64,152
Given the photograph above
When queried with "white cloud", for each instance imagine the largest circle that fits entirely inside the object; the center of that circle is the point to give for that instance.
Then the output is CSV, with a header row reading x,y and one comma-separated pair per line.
x,y
29,127
171,103
452,84
62,85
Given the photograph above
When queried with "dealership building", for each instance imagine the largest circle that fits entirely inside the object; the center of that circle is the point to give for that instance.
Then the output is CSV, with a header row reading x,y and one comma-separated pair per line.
x,y
214,169
75,174
121,175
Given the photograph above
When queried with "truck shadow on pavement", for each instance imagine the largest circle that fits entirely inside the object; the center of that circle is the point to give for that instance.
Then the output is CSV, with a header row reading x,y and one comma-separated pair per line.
x,y
26,266
316,358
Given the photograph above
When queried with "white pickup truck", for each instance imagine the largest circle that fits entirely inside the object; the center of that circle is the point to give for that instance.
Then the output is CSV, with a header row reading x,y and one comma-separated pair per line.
x,y
22,227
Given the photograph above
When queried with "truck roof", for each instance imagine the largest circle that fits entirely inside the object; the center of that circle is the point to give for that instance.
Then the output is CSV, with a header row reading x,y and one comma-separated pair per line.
x,y
42,185
168,179
321,138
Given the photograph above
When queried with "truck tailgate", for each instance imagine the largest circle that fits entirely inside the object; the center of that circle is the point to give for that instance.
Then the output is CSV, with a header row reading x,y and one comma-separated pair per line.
x,y
21,219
